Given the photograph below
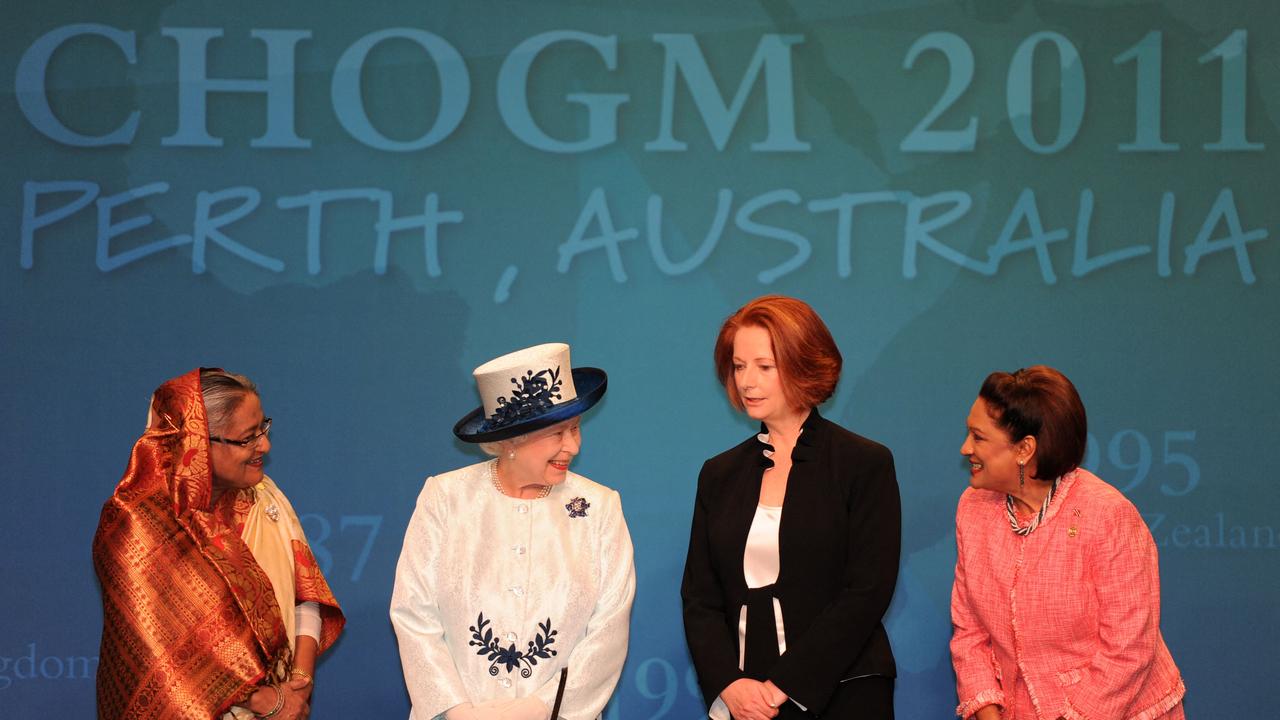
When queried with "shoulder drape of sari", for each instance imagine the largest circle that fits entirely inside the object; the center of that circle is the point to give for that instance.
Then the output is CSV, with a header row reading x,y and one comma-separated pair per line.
x,y
191,623
271,530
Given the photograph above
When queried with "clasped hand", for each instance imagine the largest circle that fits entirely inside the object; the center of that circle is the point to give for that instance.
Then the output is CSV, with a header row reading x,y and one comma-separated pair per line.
x,y
753,700
297,695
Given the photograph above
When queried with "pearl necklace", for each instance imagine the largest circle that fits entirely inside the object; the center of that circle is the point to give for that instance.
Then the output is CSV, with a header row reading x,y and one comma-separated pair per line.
x,y
493,478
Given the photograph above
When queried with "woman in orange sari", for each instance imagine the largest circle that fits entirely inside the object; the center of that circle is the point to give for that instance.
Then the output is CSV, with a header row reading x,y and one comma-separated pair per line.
x,y
213,606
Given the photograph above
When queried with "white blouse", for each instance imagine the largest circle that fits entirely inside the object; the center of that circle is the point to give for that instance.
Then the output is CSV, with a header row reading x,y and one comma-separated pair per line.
x,y
494,594
761,563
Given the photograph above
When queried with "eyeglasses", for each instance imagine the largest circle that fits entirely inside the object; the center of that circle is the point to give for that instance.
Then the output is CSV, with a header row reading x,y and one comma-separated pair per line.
x,y
251,441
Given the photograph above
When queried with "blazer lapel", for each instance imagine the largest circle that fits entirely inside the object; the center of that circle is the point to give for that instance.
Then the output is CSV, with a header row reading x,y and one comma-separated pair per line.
x,y
802,497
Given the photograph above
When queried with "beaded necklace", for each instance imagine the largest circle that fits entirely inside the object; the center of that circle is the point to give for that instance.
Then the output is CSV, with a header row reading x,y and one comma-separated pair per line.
x,y
1035,521
493,478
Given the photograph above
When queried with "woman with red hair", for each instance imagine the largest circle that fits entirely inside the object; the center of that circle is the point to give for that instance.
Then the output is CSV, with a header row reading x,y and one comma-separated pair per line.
x,y
793,553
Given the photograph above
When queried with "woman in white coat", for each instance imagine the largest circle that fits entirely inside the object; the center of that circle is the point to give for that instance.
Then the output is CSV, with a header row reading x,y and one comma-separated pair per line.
x,y
513,592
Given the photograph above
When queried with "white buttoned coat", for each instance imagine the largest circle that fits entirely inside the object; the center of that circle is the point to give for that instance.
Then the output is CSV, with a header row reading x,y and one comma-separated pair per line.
x,y
494,595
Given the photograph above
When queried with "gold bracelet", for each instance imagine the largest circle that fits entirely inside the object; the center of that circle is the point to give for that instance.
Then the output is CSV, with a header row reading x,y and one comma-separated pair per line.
x,y
279,703
304,674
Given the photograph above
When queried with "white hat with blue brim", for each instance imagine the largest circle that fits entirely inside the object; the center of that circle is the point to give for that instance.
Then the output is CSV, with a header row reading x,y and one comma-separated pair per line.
x,y
528,390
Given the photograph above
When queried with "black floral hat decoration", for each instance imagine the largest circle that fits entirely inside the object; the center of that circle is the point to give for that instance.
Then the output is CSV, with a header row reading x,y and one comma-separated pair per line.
x,y
528,390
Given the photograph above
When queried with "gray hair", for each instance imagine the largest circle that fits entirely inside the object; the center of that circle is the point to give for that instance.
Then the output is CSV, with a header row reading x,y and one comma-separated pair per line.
x,y
223,392
498,448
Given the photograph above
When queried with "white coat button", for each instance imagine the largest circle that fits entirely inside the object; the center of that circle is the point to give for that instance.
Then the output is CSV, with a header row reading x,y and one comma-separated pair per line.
x,y
511,637
517,591
505,682
519,549
522,508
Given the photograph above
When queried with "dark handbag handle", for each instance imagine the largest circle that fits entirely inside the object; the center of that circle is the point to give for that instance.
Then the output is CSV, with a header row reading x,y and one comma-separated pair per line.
x,y
555,709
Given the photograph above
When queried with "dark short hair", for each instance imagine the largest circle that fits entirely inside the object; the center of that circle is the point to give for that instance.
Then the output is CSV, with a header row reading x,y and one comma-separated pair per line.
x,y
808,360
1041,402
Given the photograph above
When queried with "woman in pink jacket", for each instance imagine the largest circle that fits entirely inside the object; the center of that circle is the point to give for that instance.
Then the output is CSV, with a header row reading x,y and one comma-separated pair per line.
x,y
1056,602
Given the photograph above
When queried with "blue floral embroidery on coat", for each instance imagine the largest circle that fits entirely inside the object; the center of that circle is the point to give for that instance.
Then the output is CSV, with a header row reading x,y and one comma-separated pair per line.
x,y
577,507
533,395
539,648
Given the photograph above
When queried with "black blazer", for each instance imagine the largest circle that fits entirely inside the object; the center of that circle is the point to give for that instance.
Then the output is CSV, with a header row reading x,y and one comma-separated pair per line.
x,y
838,542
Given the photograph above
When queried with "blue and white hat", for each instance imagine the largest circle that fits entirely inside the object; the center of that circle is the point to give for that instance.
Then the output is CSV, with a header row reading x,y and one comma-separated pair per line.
x,y
528,390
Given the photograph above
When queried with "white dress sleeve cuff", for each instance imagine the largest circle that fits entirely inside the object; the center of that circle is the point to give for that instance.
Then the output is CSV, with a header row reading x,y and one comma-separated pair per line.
x,y
306,620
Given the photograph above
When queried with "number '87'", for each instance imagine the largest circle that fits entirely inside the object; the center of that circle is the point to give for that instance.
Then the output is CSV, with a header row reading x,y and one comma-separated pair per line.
x,y
319,532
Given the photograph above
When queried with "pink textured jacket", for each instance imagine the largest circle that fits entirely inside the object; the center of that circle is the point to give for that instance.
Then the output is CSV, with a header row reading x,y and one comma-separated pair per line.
x,y
1064,622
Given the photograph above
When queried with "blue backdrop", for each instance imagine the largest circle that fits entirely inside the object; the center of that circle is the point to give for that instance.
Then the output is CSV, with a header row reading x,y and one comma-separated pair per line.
x,y
356,207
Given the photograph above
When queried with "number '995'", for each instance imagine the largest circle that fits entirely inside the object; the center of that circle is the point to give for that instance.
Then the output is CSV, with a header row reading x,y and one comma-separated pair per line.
x,y
1131,451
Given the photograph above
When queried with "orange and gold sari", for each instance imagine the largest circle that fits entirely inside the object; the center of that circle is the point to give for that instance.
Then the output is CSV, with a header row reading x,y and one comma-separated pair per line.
x,y
191,623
